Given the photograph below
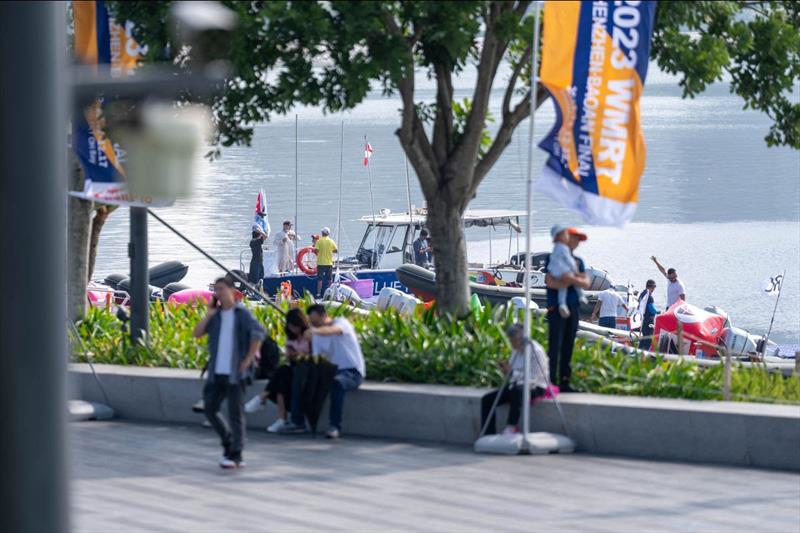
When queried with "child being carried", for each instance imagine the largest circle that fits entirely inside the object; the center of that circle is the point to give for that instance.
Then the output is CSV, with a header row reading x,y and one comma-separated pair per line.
x,y
562,262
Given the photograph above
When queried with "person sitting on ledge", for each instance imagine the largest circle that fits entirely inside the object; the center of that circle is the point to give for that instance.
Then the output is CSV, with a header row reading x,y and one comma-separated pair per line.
x,y
512,392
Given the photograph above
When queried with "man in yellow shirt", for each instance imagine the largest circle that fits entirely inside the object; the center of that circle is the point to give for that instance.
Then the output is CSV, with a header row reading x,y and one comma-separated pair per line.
x,y
325,248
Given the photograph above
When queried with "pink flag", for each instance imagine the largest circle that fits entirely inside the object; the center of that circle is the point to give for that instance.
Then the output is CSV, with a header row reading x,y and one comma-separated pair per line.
x,y
367,152
261,202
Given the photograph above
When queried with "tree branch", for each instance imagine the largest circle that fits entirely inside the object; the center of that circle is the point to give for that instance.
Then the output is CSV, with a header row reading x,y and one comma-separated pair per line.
x,y
512,82
491,53
443,127
504,134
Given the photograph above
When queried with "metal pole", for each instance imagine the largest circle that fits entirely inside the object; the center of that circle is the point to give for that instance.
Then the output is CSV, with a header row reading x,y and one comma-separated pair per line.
x,y
33,344
526,392
140,276
726,384
339,212
372,208
772,320
296,173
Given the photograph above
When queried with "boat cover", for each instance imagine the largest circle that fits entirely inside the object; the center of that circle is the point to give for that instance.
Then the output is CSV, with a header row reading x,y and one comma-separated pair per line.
x,y
701,329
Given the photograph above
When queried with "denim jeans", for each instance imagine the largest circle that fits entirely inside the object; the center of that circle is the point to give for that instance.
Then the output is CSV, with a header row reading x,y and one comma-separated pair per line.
x,y
214,392
345,380
607,322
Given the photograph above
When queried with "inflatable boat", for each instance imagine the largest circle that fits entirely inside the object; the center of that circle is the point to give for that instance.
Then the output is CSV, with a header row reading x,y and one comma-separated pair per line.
x,y
422,282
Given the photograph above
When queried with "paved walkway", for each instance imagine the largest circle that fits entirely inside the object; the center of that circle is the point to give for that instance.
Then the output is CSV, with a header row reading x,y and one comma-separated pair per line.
x,y
136,477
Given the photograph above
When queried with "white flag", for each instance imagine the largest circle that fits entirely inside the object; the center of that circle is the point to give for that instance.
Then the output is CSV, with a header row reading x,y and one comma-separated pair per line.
x,y
772,286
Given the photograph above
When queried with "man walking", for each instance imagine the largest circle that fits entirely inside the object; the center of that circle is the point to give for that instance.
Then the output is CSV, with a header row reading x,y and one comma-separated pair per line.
x,y
675,288
234,341
609,302
336,339
325,248
562,330
422,251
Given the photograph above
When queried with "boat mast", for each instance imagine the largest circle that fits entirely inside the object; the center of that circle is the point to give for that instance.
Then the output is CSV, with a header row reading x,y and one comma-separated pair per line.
x,y
410,211
372,208
339,211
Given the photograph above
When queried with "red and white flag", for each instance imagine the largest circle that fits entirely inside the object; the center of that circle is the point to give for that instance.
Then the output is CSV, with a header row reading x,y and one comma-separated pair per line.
x,y
367,152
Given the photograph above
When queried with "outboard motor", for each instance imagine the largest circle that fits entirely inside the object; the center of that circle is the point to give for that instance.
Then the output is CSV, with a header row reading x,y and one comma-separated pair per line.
x,y
342,293
721,312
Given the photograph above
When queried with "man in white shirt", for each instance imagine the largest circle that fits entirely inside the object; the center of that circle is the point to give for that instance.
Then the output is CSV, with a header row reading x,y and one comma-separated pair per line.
x,y
284,246
336,339
513,392
234,341
675,288
608,304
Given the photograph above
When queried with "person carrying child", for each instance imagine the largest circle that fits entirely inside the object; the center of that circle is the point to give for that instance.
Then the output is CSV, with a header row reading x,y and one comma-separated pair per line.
x,y
562,261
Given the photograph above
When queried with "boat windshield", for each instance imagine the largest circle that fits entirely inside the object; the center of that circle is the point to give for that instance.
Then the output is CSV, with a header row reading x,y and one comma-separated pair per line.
x,y
382,246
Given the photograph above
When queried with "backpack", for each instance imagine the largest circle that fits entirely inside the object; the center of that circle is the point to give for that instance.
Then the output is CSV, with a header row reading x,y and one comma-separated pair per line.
x,y
269,358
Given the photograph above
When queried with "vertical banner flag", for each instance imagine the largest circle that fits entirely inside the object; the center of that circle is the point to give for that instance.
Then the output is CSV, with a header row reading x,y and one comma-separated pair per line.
x,y
367,152
594,64
99,40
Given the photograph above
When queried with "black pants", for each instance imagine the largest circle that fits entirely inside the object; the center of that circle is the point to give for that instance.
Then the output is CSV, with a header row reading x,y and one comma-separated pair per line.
x,y
512,395
214,392
647,331
256,273
324,273
281,383
561,338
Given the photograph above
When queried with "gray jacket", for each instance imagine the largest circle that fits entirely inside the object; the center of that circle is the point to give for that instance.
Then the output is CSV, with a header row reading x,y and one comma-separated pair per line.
x,y
246,330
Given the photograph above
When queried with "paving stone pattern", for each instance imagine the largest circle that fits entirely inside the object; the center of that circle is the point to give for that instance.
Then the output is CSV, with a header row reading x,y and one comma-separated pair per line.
x,y
138,477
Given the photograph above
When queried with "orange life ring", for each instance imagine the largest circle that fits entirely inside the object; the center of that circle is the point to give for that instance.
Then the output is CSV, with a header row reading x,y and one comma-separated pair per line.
x,y
306,262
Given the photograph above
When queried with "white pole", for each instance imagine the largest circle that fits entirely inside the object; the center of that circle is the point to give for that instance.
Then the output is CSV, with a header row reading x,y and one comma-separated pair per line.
x,y
372,208
339,211
772,320
526,392
410,211
296,173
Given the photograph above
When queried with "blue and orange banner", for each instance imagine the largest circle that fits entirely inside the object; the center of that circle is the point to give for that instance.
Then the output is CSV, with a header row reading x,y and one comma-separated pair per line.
x,y
594,64
99,40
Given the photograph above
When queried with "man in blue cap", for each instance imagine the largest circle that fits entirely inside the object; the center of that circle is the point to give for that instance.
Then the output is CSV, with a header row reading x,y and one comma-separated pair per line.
x,y
562,329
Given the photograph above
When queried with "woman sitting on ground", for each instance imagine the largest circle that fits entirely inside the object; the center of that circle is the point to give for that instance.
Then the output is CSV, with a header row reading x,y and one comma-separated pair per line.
x,y
279,388
512,392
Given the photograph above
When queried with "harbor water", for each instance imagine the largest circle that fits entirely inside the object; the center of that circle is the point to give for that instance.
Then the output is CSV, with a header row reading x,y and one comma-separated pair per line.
x,y
715,202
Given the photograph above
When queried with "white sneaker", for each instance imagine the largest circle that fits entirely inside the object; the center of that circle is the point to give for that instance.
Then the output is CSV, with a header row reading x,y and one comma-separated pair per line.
x,y
332,433
276,426
254,404
563,310
226,463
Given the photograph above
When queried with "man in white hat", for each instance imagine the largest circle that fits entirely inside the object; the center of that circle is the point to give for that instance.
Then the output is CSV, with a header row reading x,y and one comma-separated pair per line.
x,y
325,248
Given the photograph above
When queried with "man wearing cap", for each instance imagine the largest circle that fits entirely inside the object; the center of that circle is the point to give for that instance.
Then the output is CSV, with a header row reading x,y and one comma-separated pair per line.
x,y
562,329
284,246
325,248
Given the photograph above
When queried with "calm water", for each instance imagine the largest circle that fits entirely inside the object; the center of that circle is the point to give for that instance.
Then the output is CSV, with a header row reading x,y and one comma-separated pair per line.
x,y
715,202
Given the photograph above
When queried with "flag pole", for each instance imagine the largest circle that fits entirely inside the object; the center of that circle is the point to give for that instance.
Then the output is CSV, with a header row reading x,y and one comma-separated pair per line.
x,y
774,310
371,203
408,195
296,173
526,391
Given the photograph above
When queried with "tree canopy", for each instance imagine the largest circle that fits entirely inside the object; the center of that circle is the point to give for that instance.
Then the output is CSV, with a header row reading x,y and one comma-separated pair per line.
x,y
331,54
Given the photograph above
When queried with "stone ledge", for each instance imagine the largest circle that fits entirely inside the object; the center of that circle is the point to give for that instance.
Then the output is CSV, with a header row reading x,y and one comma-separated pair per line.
x,y
730,433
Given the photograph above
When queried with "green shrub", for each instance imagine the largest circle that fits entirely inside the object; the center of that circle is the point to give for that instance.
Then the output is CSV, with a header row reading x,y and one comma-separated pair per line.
x,y
429,349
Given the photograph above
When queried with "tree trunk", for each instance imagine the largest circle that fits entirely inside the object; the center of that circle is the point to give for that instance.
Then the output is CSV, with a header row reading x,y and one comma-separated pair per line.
x,y
99,220
78,220
450,255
